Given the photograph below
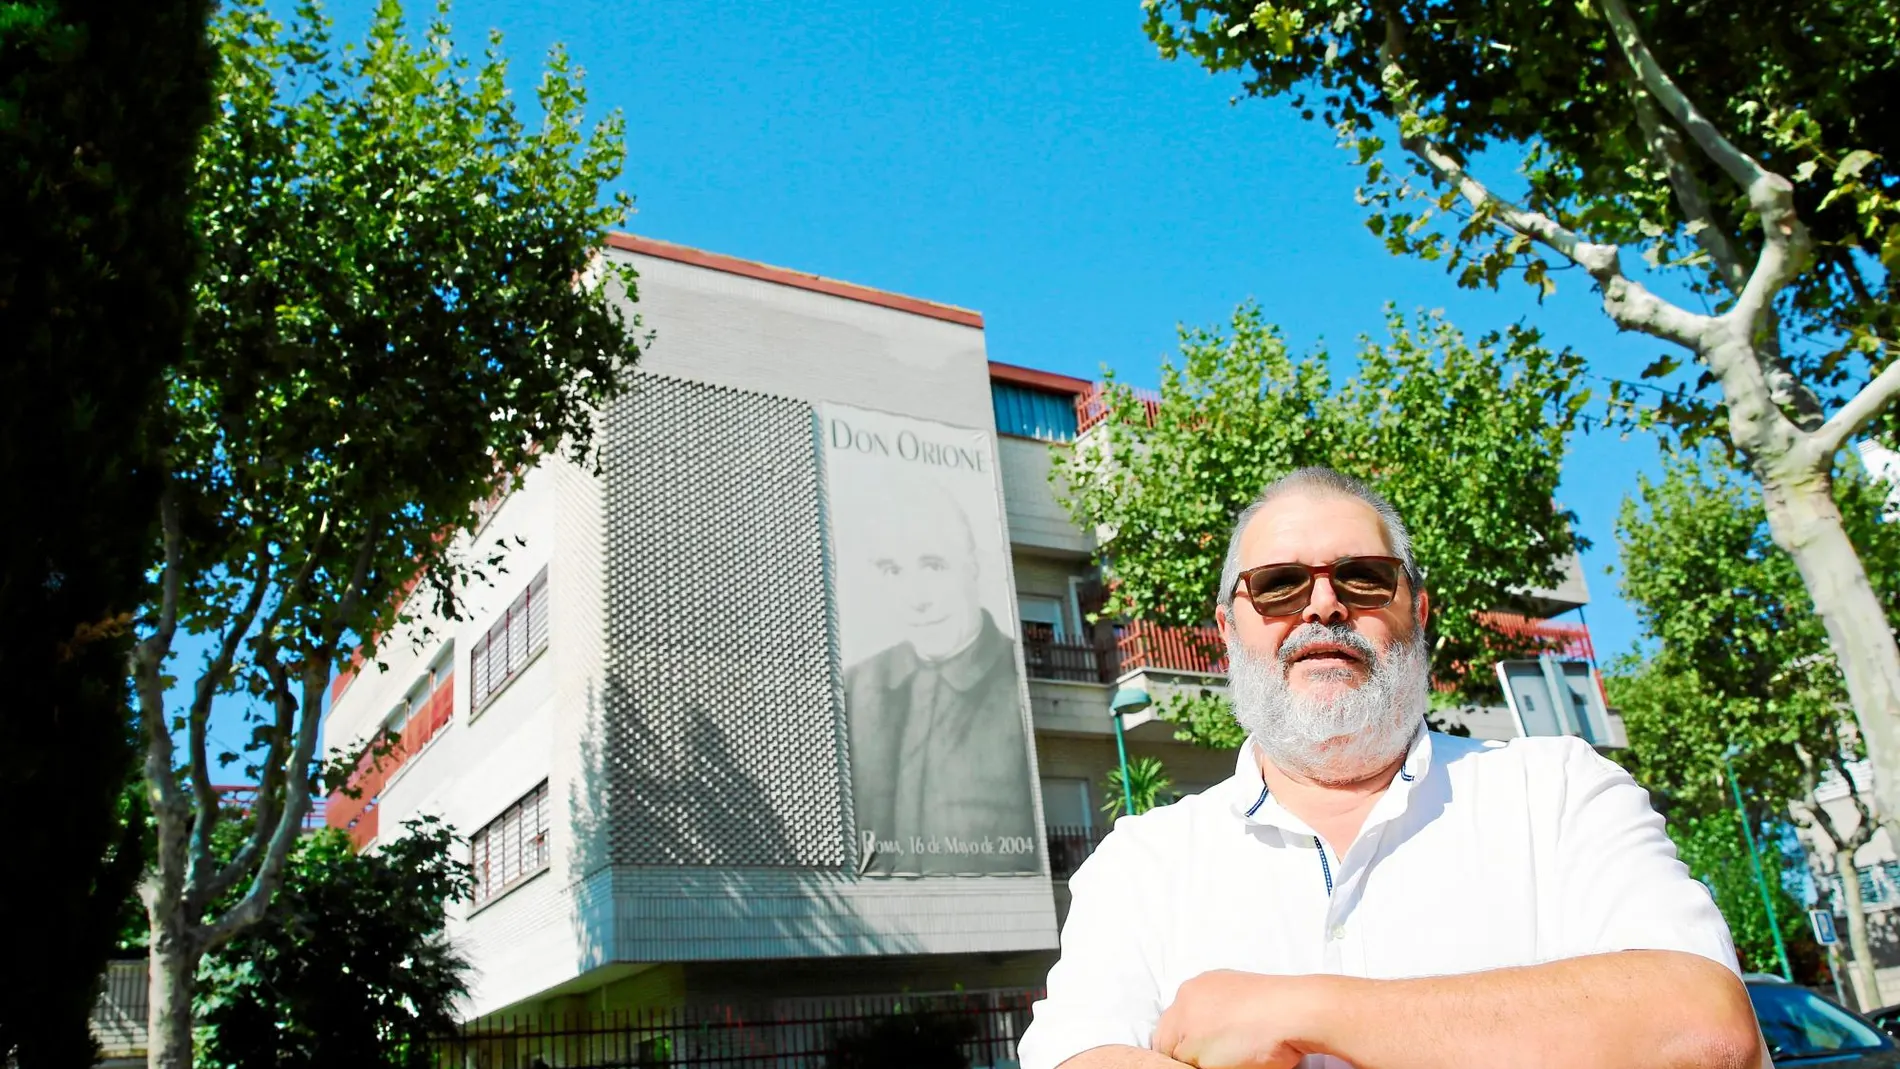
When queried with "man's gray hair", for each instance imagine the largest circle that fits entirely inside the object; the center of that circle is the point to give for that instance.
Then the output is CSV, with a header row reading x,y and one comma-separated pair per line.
x,y
1327,483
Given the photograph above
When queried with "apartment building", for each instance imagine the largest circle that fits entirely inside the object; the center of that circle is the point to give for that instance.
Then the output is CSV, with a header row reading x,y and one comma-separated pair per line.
x,y
820,546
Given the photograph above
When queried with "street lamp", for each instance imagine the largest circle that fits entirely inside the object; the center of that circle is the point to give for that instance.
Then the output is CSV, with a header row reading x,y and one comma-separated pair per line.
x,y
1126,700
1754,862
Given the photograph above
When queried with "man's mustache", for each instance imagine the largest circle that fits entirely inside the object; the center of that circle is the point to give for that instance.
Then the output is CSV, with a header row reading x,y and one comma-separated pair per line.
x,y
1315,634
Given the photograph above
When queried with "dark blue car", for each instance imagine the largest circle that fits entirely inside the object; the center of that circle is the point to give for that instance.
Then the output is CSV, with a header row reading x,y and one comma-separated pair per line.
x,y
1804,1029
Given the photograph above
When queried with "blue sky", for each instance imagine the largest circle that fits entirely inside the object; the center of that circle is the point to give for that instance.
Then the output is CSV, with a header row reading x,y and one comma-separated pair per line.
x,y
1038,163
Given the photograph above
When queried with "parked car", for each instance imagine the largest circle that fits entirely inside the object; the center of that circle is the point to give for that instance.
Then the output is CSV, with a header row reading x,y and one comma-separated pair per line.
x,y
1804,1029
1888,1018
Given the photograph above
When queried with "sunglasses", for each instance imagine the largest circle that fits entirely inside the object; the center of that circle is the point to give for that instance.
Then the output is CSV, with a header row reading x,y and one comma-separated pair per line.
x,y
1358,582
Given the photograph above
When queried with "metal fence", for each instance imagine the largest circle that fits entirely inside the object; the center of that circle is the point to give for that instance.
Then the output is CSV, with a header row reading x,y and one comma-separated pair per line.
x,y
791,1034
118,1018
1075,662
1069,846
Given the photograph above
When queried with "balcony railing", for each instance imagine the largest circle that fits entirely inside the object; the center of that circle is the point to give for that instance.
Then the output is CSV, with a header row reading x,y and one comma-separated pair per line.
x,y
1091,407
243,796
1173,649
358,815
1072,662
1069,846
1567,641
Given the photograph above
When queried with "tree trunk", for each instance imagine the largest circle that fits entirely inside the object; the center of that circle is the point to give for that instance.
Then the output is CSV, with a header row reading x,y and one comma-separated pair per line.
x,y
174,965
1804,521
1866,986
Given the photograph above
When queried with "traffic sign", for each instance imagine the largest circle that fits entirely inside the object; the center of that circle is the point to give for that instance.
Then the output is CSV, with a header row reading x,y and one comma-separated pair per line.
x,y
1822,921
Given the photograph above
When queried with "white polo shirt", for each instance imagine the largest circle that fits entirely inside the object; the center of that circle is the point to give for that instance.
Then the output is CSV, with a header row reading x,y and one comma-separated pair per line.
x,y
1481,855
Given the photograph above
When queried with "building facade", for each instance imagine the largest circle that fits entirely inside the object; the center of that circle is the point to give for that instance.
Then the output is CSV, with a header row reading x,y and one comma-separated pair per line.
x,y
819,547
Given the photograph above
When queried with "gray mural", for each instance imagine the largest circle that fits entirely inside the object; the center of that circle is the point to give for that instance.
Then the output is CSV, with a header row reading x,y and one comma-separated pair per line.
x,y
940,770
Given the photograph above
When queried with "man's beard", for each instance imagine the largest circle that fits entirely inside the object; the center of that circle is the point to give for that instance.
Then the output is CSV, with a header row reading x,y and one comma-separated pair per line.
x,y
1341,738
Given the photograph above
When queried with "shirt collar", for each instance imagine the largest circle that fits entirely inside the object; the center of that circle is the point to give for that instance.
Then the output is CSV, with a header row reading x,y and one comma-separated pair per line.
x,y
1253,802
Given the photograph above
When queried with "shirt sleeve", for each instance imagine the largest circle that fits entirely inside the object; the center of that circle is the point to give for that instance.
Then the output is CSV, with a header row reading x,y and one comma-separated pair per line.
x,y
1621,886
1102,990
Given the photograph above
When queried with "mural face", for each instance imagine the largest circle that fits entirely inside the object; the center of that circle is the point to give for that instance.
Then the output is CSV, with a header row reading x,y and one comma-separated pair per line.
x,y
939,742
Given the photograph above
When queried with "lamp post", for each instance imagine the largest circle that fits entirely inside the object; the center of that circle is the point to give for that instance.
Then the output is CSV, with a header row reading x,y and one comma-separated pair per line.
x,y
1126,700
1754,862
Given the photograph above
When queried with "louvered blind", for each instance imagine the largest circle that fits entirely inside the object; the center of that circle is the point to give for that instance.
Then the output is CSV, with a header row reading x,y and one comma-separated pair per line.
x,y
511,643
512,847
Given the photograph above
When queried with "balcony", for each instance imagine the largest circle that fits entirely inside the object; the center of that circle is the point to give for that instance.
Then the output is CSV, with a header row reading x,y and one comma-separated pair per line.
x,y
1067,662
1570,642
1145,646
373,771
1070,846
1091,407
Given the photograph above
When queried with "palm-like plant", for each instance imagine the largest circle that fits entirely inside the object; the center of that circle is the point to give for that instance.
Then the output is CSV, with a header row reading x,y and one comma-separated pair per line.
x,y
1147,787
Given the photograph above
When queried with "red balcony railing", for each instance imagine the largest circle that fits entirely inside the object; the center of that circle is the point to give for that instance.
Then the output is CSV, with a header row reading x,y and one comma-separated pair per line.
x,y
1568,641
358,815
1175,649
1091,406
243,797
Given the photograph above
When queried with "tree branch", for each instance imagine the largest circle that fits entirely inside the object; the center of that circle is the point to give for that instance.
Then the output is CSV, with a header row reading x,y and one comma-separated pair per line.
x,y
1857,412
1629,303
316,676
1737,164
209,683
1785,241
1665,144
148,663
265,812
1864,831
317,664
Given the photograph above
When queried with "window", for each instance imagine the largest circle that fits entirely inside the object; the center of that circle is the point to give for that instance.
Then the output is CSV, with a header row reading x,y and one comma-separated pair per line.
x,y
1028,413
508,646
1041,617
512,847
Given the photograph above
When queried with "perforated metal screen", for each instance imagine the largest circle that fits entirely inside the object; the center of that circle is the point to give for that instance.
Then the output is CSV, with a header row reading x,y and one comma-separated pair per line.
x,y
724,727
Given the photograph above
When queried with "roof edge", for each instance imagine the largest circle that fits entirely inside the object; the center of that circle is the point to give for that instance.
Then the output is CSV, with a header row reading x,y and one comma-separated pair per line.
x,y
1035,378
783,276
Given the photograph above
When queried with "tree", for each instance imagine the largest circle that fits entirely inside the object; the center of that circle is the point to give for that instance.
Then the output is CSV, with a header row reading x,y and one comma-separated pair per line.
x,y
1764,177
1743,665
1466,440
355,970
1711,846
1147,787
402,306
100,110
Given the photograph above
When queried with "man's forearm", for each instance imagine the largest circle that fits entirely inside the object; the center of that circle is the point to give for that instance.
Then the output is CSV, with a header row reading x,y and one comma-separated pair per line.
x,y
1655,1009
1118,1057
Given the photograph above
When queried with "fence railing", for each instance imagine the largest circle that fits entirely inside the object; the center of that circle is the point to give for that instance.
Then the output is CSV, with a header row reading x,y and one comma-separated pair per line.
x,y
1072,662
1091,406
119,1016
983,1026
1568,641
1176,649
1070,846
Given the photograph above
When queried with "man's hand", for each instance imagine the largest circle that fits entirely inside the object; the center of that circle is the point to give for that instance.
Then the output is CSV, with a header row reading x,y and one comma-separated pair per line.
x,y
1239,1020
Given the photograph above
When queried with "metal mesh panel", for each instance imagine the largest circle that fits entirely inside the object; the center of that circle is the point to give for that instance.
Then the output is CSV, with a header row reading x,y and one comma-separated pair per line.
x,y
724,726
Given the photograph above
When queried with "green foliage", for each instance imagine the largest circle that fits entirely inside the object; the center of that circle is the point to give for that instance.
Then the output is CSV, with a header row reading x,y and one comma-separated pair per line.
x,y
1712,846
404,308
1466,439
1742,660
925,1039
100,109
355,968
1546,81
1147,787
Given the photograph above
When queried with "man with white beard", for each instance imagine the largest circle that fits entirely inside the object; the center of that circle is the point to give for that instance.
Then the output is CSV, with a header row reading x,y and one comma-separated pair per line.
x,y
1366,893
